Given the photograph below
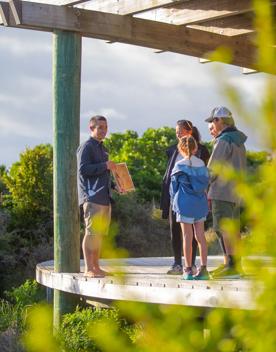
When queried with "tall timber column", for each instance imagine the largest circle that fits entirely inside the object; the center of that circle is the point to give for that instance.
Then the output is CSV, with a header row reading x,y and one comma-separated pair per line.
x,y
66,120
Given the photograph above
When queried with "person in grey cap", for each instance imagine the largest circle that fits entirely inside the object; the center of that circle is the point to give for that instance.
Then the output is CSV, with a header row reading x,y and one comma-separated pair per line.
x,y
228,148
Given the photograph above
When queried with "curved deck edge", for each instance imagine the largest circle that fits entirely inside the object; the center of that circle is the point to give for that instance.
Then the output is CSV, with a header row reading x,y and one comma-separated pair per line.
x,y
150,287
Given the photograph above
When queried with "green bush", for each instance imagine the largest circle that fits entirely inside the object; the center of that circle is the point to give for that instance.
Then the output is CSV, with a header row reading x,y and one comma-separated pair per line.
x,y
145,156
29,183
75,327
14,312
3,171
19,255
8,315
27,294
140,229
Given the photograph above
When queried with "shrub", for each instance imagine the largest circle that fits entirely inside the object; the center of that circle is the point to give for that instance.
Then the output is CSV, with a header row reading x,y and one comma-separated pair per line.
x,y
8,315
29,183
14,312
140,230
27,294
19,255
74,331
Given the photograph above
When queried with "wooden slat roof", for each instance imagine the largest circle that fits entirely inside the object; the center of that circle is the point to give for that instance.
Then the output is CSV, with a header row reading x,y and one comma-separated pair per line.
x,y
190,27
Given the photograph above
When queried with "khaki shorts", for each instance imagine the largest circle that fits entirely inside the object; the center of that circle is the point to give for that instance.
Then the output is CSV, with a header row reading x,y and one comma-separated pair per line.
x,y
224,210
96,218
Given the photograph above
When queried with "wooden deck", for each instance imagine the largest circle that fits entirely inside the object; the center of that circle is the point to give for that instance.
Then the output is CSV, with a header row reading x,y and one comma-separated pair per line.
x,y
145,280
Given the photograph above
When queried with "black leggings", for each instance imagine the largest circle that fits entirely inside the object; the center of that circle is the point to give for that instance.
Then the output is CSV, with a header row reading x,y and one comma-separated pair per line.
x,y
177,243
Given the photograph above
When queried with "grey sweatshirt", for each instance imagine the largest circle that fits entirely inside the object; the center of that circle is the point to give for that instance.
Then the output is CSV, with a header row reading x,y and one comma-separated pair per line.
x,y
229,149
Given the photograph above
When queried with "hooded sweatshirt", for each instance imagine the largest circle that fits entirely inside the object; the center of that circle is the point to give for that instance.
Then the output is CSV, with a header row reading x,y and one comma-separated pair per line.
x,y
229,149
189,182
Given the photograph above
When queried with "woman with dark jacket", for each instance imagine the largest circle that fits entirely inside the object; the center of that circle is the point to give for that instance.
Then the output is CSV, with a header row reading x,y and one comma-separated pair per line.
x,y
183,128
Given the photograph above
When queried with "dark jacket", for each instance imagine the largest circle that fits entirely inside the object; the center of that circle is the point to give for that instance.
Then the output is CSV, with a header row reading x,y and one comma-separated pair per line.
x,y
172,153
93,175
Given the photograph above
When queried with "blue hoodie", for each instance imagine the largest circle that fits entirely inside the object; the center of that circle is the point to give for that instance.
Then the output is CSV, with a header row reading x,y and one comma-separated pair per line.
x,y
188,188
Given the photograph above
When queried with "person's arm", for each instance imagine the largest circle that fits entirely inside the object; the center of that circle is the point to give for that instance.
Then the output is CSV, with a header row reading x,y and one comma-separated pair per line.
x,y
86,167
173,186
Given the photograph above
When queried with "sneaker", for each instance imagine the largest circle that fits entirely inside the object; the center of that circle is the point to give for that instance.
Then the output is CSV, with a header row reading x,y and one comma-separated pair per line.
x,y
188,274
217,270
194,269
202,274
227,273
176,269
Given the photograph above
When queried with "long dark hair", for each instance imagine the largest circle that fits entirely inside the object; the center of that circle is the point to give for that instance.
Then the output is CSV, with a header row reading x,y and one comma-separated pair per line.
x,y
196,134
188,126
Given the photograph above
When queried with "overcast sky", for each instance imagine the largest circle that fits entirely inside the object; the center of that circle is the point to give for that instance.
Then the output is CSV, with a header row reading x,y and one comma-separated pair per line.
x,y
134,87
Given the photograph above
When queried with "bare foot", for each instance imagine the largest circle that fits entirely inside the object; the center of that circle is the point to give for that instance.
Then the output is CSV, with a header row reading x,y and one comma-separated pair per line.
x,y
103,272
93,274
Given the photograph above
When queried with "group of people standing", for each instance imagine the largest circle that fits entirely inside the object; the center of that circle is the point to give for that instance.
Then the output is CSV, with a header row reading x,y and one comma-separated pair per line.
x,y
190,190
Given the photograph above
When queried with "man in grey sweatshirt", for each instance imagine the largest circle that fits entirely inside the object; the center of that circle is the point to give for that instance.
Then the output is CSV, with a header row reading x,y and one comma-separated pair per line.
x,y
228,149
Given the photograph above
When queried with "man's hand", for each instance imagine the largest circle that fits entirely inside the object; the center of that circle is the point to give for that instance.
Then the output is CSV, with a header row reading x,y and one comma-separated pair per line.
x,y
111,165
122,190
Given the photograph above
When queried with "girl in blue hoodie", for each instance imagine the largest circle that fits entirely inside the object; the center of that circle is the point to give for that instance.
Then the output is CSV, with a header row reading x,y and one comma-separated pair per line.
x,y
189,182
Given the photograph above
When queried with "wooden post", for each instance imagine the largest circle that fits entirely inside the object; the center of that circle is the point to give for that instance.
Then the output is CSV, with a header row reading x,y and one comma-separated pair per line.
x,y
66,120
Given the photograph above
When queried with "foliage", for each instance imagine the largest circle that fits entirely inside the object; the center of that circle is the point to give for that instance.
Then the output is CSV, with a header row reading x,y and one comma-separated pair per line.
x,y
77,328
28,293
140,231
29,183
20,251
8,315
40,327
145,156
13,313
255,160
3,171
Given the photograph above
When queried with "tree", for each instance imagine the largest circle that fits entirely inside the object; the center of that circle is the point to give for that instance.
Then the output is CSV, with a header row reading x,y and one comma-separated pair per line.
x,y
29,183
3,171
145,157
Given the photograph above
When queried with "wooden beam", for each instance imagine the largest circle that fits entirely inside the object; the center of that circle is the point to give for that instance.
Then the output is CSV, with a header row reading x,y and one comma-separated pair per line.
x,y
136,31
248,71
195,11
4,13
66,122
61,2
126,7
16,10
230,26
71,3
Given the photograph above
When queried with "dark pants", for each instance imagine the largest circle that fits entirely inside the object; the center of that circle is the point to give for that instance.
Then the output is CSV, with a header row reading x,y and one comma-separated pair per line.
x,y
177,243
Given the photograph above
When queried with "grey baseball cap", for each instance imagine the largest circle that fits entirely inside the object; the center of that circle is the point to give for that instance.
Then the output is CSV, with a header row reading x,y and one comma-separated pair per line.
x,y
220,112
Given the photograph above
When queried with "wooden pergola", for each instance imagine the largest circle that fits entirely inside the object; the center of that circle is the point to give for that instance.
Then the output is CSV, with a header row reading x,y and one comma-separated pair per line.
x,y
189,27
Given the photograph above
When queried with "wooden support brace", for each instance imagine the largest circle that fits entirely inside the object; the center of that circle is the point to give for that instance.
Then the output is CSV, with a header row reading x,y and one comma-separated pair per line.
x,y
16,9
248,71
4,13
203,61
